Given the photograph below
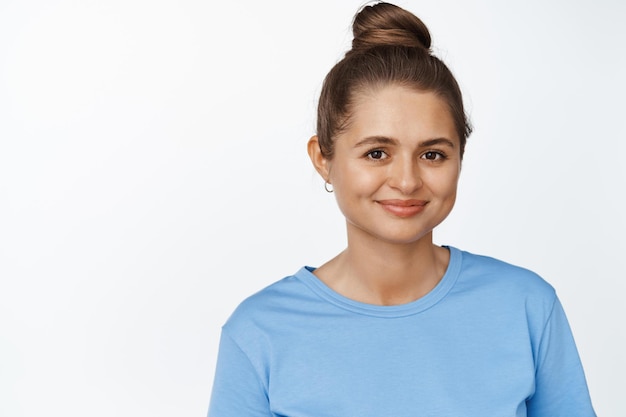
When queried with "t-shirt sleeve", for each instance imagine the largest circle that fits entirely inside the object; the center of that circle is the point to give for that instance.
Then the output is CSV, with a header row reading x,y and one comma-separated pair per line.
x,y
560,385
237,389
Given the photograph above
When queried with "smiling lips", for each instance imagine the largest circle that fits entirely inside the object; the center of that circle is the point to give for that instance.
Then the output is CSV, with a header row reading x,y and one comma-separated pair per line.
x,y
403,208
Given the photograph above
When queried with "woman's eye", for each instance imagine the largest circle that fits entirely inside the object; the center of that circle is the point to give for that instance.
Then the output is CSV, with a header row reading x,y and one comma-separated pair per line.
x,y
376,154
433,156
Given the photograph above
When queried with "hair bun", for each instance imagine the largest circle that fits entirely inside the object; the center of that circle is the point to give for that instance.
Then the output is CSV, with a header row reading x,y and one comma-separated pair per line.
x,y
387,24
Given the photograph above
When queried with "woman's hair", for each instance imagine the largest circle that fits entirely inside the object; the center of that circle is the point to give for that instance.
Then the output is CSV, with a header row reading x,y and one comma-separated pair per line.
x,y
390,46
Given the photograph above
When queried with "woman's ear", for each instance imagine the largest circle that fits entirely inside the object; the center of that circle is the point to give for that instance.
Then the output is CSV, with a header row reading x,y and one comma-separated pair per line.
x,y
321,164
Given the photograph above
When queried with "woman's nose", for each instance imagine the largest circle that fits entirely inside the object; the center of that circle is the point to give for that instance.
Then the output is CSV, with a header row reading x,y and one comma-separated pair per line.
x,y
404,175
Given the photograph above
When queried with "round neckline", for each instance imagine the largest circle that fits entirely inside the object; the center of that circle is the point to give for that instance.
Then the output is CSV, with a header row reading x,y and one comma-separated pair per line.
x,y
305,274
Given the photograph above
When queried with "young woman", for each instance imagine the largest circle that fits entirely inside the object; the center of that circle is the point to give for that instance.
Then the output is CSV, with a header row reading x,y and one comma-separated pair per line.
x,y
395,325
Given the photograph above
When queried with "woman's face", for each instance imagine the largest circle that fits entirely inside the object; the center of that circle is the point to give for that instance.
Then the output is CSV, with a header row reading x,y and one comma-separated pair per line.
x,y
396,167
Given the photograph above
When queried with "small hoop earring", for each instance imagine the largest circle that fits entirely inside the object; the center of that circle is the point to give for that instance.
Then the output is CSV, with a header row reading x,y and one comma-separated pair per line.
x,y
326,185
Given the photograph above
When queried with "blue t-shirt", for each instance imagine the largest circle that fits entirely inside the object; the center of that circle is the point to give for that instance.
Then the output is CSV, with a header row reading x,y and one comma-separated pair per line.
x,y
490,340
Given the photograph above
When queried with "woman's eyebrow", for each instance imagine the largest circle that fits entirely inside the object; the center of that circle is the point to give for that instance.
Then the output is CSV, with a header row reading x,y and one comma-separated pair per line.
x,y
376,140
437,141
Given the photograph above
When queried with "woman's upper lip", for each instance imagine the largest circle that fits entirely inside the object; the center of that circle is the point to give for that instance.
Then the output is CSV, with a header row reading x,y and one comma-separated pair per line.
x,y
403,203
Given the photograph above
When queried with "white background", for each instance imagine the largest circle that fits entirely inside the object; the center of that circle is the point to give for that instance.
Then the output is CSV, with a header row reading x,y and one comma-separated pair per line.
x,y
153,173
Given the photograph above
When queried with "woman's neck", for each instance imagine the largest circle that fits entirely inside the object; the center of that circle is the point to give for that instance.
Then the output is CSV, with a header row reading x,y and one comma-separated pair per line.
x,y
385,273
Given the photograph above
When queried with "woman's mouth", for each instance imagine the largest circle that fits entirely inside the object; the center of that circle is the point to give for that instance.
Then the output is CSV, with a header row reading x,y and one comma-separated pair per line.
x,y
403,208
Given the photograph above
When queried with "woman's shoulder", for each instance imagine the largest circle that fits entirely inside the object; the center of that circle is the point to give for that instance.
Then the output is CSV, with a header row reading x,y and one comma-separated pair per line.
x,y
482,269
272,304
497,285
